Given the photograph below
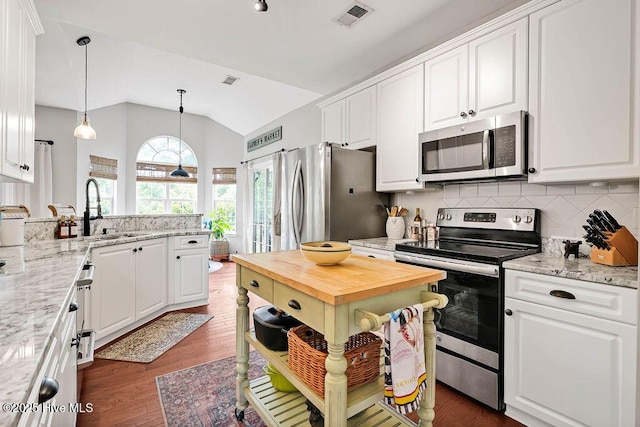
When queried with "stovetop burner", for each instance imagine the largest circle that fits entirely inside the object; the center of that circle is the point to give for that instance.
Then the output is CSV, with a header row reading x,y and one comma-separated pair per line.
x,y
488,235
488,253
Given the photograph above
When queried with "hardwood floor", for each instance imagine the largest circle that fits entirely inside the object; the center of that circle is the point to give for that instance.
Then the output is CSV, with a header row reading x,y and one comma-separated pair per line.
x,y
125,394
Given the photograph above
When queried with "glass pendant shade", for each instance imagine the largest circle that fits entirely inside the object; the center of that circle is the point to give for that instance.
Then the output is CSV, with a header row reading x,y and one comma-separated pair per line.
x,y
84,129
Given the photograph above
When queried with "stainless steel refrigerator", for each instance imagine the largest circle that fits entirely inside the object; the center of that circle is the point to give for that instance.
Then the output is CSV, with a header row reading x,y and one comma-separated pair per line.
x,y
328,193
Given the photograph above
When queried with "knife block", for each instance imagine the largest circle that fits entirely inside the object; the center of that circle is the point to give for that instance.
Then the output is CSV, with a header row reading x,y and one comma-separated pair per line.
x,y
624,249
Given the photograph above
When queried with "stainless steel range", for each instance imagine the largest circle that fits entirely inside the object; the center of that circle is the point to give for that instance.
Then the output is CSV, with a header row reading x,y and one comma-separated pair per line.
x,y
472,244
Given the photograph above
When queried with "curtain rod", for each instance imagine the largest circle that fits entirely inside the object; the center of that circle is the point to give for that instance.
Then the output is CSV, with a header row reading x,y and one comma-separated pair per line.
x,y
47,141
264,155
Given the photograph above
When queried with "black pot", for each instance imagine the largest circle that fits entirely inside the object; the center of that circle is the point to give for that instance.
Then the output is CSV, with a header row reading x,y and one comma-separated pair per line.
x,y
271,325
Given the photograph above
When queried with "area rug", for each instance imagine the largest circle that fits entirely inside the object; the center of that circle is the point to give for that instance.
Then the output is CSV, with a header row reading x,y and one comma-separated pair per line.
x,y
204,395
151,341
214,266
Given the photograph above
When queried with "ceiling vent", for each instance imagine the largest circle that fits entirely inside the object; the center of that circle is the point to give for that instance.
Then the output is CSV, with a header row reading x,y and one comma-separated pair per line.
x,y
230,80
354,14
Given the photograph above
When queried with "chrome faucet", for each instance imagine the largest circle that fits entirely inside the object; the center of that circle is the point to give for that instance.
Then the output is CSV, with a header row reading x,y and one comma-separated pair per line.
x,y
86,227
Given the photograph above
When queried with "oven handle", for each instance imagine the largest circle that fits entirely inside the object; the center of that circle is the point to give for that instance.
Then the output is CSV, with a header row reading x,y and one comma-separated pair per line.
x,y
453,265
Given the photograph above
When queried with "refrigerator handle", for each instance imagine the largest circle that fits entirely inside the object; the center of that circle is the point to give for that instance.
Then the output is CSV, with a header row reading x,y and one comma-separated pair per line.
x,y
296,202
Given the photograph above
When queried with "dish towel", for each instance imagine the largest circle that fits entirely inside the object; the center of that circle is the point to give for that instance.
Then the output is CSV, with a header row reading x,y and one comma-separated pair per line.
x,y
405,376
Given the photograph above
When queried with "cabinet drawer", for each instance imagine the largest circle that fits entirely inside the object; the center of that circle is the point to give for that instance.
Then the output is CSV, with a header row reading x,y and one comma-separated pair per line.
x,y
594,299
193,241
311,311
372,253
257,283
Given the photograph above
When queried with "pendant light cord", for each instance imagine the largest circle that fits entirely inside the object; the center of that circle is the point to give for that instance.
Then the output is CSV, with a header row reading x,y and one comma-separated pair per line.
x,y
180,126
86,71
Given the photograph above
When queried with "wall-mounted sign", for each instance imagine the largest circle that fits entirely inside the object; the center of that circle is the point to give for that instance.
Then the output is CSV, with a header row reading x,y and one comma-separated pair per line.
x,y
265,139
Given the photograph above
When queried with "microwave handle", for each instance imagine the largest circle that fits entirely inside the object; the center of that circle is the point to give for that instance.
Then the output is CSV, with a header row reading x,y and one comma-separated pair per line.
x,y
486,140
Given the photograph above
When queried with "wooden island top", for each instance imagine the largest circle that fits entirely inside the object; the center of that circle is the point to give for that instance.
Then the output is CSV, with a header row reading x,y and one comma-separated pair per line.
x,y
354,279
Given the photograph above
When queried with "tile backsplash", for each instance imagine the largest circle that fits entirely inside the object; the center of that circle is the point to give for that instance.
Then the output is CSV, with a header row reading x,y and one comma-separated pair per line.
x,y
564,208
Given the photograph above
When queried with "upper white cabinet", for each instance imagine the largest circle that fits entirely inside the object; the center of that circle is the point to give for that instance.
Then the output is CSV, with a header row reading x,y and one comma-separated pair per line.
x,y
351,121
482,78
19,25
399,121
584,97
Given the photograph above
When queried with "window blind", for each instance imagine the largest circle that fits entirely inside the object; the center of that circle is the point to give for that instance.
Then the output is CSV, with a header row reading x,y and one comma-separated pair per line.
x,y
160,172
102,167
224,176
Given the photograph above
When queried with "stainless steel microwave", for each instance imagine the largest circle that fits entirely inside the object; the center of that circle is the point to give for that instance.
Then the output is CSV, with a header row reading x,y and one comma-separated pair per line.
x,y
484,149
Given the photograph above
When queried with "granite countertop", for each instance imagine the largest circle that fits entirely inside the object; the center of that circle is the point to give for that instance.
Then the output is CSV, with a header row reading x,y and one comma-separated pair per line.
x,y
383,243
33,287
581,268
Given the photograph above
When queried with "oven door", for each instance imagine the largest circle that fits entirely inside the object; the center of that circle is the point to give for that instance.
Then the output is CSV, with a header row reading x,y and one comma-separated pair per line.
x,y
458,152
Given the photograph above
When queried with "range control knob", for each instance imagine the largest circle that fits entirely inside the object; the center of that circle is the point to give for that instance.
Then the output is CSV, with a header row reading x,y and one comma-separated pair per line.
x,y
448,217
440,217
516,219
528,219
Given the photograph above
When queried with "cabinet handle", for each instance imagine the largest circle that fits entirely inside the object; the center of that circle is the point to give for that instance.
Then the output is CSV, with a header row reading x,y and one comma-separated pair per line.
x,y
508,312
135,250
178,257
73,307
48,388
463,114
472,113
532,170
140,249
562,294
294,304
75,342
193,242
370,256
254,283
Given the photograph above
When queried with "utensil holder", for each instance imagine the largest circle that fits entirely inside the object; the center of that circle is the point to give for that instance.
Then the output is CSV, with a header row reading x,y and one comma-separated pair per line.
x,y
395,227
624,250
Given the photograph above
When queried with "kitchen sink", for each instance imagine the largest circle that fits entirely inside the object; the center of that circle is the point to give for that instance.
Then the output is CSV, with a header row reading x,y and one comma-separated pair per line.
x,y
113,236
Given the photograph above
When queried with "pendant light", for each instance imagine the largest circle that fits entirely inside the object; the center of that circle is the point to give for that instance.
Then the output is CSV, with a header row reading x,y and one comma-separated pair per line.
x,y
84,129
261,5
179,171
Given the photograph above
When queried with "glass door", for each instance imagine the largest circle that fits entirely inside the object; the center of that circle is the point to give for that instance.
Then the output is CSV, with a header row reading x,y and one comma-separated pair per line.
x,y
262,207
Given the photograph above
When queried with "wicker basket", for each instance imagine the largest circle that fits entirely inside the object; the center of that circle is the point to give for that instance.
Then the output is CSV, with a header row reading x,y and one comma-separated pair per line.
x,y
218,249
308,351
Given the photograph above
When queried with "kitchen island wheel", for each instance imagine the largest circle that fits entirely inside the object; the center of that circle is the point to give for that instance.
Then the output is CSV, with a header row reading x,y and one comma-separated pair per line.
x,y
239,414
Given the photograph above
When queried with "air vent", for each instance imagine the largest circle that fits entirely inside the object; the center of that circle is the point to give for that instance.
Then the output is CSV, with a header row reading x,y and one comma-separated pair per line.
x,y
354,13
230,80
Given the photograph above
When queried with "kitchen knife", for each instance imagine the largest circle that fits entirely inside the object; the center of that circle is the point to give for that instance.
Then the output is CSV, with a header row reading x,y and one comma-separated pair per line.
x,y
612,220
604,220
599,224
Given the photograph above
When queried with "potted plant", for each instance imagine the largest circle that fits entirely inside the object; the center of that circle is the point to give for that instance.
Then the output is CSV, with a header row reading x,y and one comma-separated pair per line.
x,y
219,224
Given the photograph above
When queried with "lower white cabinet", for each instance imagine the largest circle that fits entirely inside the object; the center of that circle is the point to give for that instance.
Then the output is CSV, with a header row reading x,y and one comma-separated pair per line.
x,y
191,268
372,252
569,361
130,282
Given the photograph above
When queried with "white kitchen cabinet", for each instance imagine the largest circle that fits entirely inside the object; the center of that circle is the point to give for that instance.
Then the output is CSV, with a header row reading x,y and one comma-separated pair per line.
x,y
351,121
128,285
399,121
584,91
19,25
569,362
482,78
191,268
372,252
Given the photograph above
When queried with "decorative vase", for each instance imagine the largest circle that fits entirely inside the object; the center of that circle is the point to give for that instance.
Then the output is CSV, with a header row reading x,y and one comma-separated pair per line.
x,y
395,227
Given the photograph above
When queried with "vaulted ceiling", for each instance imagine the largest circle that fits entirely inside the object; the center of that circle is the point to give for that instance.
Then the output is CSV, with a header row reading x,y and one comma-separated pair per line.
x,y
143,50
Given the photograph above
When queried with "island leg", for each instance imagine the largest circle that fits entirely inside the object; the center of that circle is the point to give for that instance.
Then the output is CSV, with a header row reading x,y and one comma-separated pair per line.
x,y
242,351
335,383
426,412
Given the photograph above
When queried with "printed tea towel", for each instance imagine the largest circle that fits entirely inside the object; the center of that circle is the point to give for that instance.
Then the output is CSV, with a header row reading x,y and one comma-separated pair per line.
x,y
404,366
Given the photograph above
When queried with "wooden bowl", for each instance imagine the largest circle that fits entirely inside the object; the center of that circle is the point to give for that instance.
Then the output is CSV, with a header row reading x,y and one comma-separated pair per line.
x,y
326,253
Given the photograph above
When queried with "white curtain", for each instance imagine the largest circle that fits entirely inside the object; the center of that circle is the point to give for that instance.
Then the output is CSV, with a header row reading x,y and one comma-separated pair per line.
x,y
247,208
36,196
276,221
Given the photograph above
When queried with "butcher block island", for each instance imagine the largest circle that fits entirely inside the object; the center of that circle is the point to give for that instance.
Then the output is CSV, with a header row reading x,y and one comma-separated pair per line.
x,y
338,301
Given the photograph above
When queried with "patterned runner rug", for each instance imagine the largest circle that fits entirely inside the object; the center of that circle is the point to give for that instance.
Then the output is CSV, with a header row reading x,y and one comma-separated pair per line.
x,y
151,341
204,395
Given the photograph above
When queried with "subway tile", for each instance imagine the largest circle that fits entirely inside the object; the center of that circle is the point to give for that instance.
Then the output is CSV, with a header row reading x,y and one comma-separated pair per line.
x,y
509,189
533,189
623,187
540,201
488,190
451,191
468,190
581,201
507,202
560,189
589,189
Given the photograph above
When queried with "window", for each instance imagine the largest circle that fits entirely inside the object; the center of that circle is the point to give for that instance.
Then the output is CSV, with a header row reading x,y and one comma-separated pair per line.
x,y
157,192
224,194
105,172
262,194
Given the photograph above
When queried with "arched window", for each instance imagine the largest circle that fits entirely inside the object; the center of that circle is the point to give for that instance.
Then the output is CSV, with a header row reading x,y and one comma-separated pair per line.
x,y
157,192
